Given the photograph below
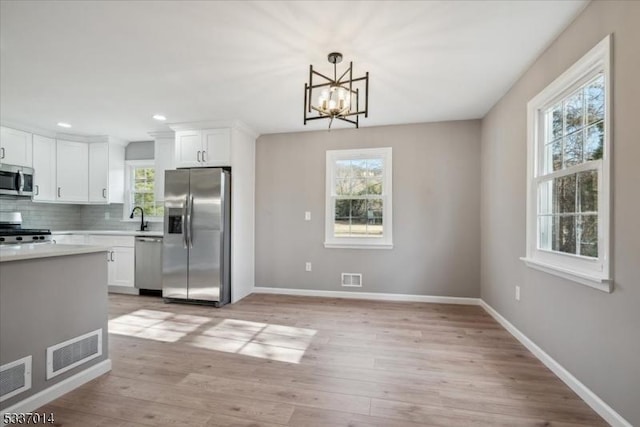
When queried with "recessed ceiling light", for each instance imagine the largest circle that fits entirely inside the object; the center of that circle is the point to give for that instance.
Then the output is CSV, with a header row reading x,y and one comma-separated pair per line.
x,y
64,125
159,117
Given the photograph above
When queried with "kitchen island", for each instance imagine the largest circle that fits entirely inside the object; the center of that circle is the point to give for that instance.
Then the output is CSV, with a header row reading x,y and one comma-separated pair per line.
x,y
53,321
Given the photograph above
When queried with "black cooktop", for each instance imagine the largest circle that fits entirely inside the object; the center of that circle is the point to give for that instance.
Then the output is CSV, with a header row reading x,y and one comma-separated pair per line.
x,y
22,231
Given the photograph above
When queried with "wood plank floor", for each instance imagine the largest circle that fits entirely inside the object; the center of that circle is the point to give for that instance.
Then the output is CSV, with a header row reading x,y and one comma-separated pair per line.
x,y
279,360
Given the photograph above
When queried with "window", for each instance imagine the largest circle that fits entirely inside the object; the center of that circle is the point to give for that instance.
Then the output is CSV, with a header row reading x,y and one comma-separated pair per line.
x,y
358,199
569,125
141,190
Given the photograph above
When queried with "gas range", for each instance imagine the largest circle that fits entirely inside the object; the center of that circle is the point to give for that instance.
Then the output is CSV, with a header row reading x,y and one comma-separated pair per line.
x,y
12,233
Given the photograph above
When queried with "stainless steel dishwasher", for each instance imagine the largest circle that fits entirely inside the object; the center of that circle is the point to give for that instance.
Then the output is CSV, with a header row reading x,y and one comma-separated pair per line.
x,y
149,263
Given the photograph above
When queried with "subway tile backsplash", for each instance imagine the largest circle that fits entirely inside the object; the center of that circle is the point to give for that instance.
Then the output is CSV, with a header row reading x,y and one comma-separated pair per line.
x,y
70,217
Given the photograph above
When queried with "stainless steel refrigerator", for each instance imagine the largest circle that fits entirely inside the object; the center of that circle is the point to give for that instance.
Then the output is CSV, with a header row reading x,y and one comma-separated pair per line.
x,y
197,240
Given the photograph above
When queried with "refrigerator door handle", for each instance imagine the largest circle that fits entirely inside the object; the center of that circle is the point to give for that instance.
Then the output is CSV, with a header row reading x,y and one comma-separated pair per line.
x,y
190,214
184,219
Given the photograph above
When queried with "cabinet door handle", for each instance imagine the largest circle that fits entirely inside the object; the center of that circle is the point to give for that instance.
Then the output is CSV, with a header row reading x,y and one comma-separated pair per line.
x,y
1,152
104,193
198,156
59,188
203,159
112,260
37,190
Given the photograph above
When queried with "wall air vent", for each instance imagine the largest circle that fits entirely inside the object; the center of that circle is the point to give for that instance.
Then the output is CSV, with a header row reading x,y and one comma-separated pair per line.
x,y
353,280
74,352
15,377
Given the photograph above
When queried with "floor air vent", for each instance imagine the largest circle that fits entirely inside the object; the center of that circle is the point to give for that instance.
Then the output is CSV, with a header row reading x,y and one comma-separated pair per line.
x,y
15,377
74,352
352,280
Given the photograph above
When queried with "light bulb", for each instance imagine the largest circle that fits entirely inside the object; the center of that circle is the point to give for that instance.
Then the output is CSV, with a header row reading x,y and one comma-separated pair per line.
x,y
332,104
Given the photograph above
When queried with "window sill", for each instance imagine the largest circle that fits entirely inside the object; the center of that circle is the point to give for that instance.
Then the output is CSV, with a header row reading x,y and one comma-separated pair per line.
x,y
334,245
597,282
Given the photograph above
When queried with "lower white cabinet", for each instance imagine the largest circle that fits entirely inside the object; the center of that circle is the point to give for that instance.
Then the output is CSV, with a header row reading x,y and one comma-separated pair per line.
x,y
120,259
121,267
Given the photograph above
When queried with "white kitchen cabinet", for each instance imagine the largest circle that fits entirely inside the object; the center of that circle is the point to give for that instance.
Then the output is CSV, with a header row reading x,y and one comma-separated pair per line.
x,y
72,171
106,173
121,261
15,147
164,160
44,166
122,267
209,147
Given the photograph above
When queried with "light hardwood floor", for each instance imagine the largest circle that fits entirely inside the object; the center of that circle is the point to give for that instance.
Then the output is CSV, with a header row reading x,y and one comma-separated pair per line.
x,y
280,360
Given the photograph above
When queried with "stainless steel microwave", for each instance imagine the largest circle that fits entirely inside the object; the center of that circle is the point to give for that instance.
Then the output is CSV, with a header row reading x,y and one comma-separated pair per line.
x,y
16,180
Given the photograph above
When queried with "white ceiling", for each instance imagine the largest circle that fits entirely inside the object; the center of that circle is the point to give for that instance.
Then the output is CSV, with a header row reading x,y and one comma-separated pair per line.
x,y
107,67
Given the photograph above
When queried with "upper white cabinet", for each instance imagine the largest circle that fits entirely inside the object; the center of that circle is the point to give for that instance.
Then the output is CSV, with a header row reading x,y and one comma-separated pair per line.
x,y
15,147
106,173
44,166
209,147
164,160
72,171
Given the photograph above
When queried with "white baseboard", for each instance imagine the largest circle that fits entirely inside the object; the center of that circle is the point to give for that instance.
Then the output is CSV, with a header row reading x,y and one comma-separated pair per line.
x,y
590,398
50,394
368,296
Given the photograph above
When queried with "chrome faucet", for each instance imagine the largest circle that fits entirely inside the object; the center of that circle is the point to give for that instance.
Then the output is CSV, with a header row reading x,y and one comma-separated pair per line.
x,y
143,225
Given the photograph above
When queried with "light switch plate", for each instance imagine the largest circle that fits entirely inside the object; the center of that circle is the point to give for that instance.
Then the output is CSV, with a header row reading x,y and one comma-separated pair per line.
x,y
307,216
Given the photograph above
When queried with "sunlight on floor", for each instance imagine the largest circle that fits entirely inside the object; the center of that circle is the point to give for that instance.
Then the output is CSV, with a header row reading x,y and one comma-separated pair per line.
x,y
262,340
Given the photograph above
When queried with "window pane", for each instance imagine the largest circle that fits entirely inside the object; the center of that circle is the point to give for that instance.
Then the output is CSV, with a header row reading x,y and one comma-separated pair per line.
x,y
342,225
564,197
554,123
343,187
374,186
375,167
359,186
358,226
594,94
553,156
573,113
593,145
359,168
545,231
573,149
588,191
343,168
374,217
564,234
545,197
589,235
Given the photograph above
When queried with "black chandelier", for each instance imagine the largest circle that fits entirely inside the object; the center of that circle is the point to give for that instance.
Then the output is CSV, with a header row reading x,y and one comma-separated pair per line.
x,y
339,98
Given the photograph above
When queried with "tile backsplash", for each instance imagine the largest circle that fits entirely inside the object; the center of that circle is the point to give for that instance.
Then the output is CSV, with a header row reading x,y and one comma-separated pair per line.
x,y
71,217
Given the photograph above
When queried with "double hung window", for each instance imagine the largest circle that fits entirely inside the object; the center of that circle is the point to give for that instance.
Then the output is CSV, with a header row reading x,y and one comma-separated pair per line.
x,y
569,157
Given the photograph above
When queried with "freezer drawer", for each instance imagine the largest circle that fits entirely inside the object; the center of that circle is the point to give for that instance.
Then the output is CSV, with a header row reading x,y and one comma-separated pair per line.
x,y
148,263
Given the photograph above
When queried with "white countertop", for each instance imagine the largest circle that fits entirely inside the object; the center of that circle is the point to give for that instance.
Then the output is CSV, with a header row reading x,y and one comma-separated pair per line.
x,y
43,250
111,232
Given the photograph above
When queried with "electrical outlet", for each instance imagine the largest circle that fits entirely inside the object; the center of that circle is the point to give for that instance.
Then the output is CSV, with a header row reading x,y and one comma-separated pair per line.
x,y
307,266
307,216
107,215
517,293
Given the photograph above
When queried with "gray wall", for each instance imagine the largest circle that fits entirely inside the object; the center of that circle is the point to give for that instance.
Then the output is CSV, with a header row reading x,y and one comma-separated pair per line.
x,y
593,334
436,173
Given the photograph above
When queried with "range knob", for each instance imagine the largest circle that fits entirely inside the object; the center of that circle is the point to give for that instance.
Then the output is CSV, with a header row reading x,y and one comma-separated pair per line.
x,y
1,239
19,238
35,237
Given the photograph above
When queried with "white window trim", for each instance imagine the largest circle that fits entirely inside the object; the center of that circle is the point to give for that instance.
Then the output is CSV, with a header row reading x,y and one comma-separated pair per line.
x,y
595,273
384,242
126,209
